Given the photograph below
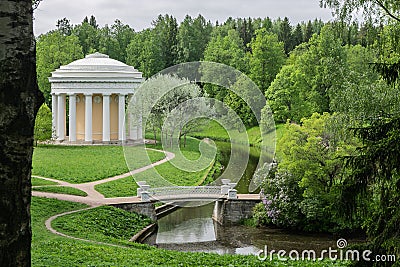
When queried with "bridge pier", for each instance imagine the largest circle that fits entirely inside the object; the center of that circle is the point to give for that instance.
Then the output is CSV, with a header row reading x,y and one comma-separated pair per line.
x,y
232,211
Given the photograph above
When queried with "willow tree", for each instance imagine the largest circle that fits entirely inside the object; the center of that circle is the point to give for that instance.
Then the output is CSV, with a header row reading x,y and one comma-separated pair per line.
x,y
20,100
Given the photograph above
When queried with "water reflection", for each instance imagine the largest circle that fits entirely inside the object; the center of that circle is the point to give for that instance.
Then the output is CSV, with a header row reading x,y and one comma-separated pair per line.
x,y
192,229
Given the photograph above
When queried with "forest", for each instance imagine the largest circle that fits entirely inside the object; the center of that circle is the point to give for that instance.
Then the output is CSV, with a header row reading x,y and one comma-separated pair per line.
x,y
334,86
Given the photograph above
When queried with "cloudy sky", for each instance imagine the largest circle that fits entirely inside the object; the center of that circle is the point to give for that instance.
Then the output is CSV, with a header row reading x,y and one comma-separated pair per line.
x,y
139,14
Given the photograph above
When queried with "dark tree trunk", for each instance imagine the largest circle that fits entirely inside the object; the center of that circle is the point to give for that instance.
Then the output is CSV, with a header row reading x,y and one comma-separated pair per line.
x,y
20,100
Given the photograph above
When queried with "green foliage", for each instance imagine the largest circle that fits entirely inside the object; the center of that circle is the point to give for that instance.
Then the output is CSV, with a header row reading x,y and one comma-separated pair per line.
x,y
314,76
267,58
144,52
302,192
43,128
375,179
105,223
193,36
61,190
79,164
53,50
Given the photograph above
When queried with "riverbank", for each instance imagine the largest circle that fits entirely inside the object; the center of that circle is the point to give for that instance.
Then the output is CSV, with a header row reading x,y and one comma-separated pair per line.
x,y
52,250
216,132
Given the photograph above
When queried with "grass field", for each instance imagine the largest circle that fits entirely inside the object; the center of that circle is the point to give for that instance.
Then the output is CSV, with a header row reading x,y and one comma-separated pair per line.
x,y
52,250
216,132
61,190
38,182
79,164
125,187
105,224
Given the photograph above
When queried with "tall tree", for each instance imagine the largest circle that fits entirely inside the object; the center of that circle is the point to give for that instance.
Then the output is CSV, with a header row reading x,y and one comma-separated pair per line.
x,y
228,50
145,53
308,31
285,34
54,50
166,29
267,58
87,35
64,26
297,35
193,36
20,100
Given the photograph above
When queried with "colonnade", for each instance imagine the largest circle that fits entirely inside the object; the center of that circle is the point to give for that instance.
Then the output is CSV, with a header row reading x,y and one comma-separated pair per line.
x,y
59,116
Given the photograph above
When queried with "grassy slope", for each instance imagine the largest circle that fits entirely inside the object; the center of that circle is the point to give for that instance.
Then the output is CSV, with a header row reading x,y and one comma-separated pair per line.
x,y
216,132
105,224
52,250
61,190
79,164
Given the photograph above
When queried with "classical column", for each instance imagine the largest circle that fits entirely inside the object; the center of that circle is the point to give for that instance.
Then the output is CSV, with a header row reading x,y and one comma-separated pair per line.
x,y
121,116
72,117
61,117
106,117
54,131
132,129
88,118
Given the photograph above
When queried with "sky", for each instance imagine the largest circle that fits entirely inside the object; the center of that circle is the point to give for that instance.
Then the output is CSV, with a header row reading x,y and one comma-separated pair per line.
x,y
139,14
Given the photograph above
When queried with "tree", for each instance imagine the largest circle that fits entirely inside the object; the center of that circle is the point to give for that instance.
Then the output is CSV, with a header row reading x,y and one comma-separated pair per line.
x,y
297,35
308,31
43,127
228,50
64,26
145,53
285,35
54,50
123,34
303,192
193,36
166,31
288,96
20,100
87,36
373,8
267,58
108,44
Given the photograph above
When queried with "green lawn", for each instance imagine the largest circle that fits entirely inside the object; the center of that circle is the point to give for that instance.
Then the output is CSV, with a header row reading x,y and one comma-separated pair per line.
x,y
125,187
179,171
38,181
61,190
79,164
216,132
105,224
52,250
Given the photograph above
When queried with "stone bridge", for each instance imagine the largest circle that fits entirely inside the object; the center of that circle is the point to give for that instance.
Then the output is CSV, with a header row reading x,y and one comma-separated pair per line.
x,y
230,207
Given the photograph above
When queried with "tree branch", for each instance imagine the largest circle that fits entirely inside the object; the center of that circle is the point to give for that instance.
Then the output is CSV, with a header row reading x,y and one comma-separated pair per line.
x,y
379,2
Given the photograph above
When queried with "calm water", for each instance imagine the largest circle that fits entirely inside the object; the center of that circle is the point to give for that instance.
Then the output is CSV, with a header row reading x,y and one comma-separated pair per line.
x,y
193,229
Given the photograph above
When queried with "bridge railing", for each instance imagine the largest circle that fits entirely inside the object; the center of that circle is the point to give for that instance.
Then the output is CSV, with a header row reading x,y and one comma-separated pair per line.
x,y
185,192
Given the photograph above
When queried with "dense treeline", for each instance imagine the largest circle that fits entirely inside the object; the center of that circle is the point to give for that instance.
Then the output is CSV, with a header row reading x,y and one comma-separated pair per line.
x,y
168,43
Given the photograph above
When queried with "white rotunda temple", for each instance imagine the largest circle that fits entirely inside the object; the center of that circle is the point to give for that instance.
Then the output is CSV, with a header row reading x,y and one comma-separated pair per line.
x,y
96,88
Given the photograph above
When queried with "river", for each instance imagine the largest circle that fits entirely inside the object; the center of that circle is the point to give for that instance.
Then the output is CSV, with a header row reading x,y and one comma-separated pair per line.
x,y
193,229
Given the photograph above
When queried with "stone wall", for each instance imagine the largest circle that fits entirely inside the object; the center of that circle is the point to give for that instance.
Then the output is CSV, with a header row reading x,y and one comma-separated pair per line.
x,y
227,212
145,208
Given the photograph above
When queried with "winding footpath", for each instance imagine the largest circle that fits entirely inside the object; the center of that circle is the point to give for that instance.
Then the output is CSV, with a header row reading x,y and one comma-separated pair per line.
x,y
93,198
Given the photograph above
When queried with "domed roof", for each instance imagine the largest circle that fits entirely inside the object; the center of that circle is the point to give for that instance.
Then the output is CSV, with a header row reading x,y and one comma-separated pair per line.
x,y
96,67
